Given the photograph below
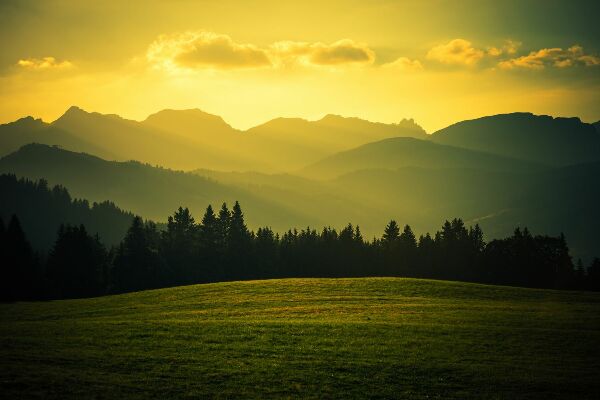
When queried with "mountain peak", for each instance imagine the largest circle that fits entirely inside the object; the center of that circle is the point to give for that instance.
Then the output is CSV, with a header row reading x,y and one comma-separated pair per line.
x,y
72,112
27,122
75,110
332,117
189,118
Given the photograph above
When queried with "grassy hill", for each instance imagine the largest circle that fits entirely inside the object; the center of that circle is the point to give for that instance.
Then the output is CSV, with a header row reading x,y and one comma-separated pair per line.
x,y
310,338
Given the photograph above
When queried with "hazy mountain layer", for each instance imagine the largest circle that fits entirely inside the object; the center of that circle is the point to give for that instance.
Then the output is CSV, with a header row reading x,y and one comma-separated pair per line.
x,y
538,138
404,152
28,130
145,190
190,139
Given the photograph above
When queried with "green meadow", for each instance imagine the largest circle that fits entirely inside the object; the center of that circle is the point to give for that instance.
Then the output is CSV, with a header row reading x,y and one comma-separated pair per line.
x,y
306,338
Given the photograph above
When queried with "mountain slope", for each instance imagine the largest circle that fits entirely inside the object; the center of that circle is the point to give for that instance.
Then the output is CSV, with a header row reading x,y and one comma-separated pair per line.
x,y
145,190
132,140
191,139
295,142
537,138
408,152
29,130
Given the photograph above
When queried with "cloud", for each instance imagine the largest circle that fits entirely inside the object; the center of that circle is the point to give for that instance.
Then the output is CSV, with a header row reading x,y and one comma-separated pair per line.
x,y
405,64
557,57
509,47
203,49
45,63
494,51
343,51
457,52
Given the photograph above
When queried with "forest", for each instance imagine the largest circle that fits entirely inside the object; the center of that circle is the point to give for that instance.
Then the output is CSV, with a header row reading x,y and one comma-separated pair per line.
x,y
220,247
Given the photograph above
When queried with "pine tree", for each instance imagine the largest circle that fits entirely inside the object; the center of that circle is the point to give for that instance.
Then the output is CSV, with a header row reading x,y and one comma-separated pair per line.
x,y
76,264
208,246
223,223
407,243
179,244
137,263
391,233
20,278
239,242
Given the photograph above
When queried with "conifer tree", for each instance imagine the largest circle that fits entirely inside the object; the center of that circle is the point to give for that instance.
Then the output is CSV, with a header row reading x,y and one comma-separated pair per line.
x,y
208,246
239,242
19,279
391,233
137,263
76,264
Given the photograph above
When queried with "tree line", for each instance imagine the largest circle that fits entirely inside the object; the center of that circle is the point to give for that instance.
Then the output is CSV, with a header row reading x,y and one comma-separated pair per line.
x,y
42,208
221,247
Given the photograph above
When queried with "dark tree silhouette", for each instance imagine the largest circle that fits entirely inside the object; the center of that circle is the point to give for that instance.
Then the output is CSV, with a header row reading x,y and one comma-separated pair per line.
x,y
239,244
42,209
209,246
593,275
180,247
137,263
19,275
223,248
76,264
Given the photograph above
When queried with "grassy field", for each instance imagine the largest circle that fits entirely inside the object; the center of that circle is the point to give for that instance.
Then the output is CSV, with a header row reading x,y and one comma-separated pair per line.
x,y
306,338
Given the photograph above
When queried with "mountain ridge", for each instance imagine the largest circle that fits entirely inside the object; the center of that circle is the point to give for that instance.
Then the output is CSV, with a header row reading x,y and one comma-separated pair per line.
x,y
395,153
538,138
192,139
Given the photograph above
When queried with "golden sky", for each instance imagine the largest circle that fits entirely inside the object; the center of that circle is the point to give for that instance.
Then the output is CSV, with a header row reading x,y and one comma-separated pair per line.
x,y
249,61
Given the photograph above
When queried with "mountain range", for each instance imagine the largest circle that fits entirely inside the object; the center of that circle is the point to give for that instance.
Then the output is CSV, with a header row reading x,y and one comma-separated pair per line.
x,y
499,171
190,139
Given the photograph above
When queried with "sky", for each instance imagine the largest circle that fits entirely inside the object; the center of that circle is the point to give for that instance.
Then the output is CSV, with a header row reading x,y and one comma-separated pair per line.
x,y
436,61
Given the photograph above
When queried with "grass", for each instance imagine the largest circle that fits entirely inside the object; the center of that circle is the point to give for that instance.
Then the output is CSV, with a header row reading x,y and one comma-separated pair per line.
x,y
306,338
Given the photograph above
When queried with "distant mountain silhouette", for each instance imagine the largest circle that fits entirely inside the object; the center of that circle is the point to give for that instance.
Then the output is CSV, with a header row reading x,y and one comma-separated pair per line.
x,y
145,190
190,139
404,152
123,139
538,138
29,130
192,123
296,142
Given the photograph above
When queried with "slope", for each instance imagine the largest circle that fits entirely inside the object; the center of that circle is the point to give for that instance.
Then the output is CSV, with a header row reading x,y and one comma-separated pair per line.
x,y
191,139
403,152
295,142
145,190
29,130
537,138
